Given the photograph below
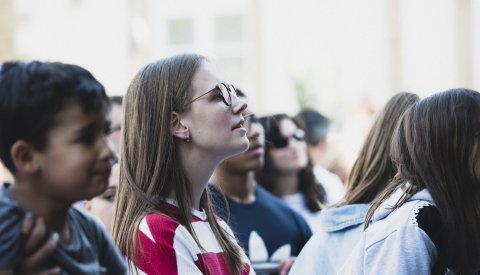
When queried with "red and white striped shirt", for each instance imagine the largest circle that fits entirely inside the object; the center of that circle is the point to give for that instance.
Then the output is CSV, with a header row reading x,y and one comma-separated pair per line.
x,y
168,248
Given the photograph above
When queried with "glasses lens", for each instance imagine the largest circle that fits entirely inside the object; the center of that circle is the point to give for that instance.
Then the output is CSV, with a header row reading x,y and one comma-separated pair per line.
x,y
225,94
232,90
279,142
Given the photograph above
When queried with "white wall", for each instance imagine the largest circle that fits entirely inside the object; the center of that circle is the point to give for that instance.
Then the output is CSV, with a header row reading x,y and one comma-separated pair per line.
x,y
91,33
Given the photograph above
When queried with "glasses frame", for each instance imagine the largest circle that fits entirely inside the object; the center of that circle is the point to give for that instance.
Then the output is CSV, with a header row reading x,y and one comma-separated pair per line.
x,y
230,90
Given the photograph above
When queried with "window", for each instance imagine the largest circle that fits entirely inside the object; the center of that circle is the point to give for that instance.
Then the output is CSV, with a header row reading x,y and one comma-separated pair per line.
x,y
180,31
228,28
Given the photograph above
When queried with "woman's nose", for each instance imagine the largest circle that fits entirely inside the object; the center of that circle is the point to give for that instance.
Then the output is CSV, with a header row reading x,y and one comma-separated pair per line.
x,y
239,105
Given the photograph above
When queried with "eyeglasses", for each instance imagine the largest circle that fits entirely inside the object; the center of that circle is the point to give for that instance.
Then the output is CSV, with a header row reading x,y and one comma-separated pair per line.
x,y
224,92
280,141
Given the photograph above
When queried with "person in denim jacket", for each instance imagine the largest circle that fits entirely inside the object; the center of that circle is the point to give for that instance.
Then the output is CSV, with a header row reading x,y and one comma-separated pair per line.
x,y
342,225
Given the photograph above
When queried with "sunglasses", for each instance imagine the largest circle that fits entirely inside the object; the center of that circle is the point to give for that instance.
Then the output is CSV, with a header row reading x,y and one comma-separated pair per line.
x,y
280,141
223,91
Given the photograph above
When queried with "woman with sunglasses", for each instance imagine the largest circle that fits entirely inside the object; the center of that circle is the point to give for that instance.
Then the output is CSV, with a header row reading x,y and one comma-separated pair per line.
x,y
180,122
287,172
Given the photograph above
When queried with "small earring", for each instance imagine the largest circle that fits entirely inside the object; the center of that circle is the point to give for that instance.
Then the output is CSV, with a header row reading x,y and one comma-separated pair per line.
x,y
187,139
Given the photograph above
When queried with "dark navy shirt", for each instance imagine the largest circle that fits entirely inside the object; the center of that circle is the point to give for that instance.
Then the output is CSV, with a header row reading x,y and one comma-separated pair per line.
x,y
271,219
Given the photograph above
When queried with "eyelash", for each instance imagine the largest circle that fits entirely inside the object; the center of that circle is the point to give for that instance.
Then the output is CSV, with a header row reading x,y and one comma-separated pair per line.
x,y
88,139
107,129
109,197
218,94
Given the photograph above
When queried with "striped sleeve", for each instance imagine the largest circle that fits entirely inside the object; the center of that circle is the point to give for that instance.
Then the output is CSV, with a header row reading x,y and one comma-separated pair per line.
x,y
159,255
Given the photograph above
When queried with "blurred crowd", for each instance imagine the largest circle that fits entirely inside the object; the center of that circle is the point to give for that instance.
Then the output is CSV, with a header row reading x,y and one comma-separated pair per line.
x,y
180,176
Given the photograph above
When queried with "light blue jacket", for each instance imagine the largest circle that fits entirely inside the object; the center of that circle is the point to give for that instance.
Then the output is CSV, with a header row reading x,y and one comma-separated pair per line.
x,y
326,251
394,243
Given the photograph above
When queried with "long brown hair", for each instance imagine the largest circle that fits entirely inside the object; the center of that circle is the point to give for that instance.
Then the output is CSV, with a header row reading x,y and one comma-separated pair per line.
x,y
436,146
311,189
373,169
151,166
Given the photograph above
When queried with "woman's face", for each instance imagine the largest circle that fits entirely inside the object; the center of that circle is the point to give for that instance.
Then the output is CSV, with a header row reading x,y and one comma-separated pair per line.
x,y
103,206
215,128
292,157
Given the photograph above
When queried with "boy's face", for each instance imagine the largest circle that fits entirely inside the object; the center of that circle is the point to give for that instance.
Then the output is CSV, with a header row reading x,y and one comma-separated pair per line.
x,y
78,158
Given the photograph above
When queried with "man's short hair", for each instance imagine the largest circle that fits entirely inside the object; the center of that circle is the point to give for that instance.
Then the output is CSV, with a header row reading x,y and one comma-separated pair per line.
x,y
33,93
314,124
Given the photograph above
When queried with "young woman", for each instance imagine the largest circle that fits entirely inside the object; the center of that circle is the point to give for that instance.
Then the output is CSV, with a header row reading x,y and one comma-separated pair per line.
x,y
427,221
287,172
342,225
180,122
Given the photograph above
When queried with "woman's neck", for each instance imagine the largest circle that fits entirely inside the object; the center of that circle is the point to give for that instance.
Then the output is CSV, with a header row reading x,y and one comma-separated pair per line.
x,y
199,169
239,187
286,184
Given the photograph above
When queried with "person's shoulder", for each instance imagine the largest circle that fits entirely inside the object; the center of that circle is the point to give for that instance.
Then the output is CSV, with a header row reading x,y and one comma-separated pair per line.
x,y
343,217
159,224
83,222
11,216
266,196
80,216
11,212
412,217
426,217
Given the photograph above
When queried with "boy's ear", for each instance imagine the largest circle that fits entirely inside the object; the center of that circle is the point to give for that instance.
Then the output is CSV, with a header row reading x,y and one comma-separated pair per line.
x,y
177,129
24,157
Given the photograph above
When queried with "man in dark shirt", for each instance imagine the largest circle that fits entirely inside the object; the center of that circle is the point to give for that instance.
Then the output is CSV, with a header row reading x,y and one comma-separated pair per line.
x,y
270,232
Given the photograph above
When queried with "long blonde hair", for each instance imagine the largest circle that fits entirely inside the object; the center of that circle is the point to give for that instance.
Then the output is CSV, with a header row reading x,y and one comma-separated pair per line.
x,y
435,146
373,168
151,167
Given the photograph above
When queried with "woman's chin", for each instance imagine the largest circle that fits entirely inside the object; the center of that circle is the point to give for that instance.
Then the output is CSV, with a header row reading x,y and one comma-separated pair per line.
x,y
239,147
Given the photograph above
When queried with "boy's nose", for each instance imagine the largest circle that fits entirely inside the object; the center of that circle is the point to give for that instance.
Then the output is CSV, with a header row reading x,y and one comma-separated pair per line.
x,y
109,151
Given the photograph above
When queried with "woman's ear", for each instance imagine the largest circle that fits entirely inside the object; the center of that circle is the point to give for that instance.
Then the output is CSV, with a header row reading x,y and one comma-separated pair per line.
x,y
177,129
24,157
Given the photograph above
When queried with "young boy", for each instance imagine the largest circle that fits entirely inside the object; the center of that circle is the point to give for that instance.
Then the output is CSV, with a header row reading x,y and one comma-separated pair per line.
x,y
53,130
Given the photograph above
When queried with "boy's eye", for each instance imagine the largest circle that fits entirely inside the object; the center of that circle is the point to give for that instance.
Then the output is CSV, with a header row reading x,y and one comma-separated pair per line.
x,y
88,139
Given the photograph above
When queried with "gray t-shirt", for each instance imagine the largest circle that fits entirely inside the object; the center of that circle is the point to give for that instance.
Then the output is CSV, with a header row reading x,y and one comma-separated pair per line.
x,y
90,251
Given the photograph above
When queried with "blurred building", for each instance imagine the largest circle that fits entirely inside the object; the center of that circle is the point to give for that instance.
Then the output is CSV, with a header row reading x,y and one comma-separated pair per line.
x,y
335,55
